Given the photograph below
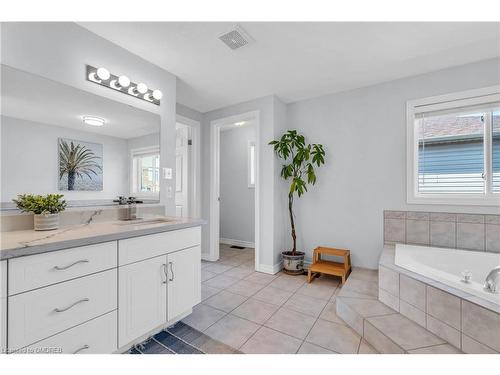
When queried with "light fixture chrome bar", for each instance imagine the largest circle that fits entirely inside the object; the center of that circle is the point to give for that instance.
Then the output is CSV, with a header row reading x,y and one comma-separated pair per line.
x,y
103,77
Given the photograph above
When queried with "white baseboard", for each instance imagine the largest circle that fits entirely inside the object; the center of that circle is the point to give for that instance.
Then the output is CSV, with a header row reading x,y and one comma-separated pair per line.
x,y
230,241
208,258
272,270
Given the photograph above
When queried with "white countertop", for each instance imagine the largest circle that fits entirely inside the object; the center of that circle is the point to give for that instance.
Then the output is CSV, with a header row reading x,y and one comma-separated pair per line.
x,y
28,242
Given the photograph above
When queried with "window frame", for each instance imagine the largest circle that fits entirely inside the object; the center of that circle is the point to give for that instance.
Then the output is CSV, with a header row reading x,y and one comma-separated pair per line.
x,y
475,97
141,152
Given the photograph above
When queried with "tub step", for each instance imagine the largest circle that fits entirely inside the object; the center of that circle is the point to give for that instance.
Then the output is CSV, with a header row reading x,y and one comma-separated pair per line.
x,y
382,327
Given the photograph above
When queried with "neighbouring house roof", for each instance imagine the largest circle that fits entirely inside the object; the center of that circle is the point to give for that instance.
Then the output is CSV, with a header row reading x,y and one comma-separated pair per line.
x,y
453,127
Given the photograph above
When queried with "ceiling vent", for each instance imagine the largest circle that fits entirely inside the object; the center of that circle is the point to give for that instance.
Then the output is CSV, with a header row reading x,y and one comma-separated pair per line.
x,y
236,38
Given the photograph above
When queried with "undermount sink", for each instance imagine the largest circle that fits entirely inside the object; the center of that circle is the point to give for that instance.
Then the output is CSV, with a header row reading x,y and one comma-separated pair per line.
x,y
158,220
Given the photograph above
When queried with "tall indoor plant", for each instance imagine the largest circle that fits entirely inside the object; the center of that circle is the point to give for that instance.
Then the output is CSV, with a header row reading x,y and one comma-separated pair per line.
x,y
45,209
300,160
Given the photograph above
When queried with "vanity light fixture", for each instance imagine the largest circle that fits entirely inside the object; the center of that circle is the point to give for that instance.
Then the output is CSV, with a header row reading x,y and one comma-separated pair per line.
x,y
122,83
93,120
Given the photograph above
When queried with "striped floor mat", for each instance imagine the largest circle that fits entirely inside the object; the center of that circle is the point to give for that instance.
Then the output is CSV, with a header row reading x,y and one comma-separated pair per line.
x,y
181,339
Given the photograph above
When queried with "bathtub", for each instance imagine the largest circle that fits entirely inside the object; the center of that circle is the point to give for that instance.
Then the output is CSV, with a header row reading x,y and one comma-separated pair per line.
x,y
446,266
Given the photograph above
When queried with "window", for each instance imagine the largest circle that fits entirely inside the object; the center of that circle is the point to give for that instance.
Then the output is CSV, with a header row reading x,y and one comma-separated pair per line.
x,y
251,164
146,172
454,148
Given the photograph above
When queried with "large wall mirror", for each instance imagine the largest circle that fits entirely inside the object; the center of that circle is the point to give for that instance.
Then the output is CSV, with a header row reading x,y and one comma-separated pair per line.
x,y
59,139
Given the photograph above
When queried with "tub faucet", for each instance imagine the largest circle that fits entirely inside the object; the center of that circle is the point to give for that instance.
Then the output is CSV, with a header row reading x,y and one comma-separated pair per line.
x,y
492,282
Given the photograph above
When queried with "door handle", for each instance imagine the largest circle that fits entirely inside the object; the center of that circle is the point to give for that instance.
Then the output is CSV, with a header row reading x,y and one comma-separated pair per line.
x,y
70,306
171,271
59,268
164,266
84,347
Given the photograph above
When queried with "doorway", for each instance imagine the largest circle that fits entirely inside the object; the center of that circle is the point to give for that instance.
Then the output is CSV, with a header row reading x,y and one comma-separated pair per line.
x,y
227,203
187,162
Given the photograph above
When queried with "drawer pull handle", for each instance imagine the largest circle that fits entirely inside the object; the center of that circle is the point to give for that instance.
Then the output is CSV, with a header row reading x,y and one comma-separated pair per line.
x,y
84,347
70,265
164,266
72,305
171,271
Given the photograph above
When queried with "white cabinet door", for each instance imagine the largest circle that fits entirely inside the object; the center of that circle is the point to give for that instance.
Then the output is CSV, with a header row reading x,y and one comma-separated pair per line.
x,y
142,298
184,280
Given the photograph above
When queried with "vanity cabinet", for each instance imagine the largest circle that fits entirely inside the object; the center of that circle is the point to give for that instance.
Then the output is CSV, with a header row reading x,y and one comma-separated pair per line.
x,y
99,298
142,295
157,291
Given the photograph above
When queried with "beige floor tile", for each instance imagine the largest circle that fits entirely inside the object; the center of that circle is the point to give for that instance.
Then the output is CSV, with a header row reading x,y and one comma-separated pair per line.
x,y
268,341
317,289
306,305
359,289
308,348
291,323
255,310
288,283
336,337
437,349
330,313
225,301
206,275
367,307
245,288
203,316
239,272
208,291
221,281
404,332
217,268
365,348
273,295
261,278
232,331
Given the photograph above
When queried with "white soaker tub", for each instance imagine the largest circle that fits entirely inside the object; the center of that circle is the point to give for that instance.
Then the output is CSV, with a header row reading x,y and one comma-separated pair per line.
x,y
446,266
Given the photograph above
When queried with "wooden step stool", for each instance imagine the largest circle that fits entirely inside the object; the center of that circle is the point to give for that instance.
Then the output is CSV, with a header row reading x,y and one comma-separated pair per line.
x,y
328,267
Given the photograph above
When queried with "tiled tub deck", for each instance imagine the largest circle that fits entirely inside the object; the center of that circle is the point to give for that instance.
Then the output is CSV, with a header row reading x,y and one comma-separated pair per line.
x,y
464,321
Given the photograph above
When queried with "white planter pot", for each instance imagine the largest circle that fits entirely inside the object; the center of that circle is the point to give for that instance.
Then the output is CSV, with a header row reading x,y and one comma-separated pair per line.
x,y
293,264
46,221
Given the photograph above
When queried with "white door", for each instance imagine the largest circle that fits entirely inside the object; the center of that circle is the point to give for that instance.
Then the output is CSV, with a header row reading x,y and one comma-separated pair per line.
x,y
182,170
142,301
184,280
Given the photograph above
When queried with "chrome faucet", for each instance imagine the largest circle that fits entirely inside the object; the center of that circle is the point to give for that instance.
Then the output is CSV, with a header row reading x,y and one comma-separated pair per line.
x,y
492,282
131,213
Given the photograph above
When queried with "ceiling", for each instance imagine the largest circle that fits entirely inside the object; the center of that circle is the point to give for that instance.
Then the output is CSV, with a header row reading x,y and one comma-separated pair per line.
x,y
30,97
297,61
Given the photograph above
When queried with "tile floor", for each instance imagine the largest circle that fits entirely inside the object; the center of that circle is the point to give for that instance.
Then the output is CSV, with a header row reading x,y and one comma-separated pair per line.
x,y
255,312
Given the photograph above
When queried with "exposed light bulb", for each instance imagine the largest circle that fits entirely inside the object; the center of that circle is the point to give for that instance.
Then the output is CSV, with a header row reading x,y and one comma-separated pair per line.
x,y
103,74
123,81
93,120
141,88
157,94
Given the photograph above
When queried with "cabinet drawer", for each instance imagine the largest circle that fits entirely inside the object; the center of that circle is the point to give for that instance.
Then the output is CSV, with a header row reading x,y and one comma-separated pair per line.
x,y
97,336
40,313
138,248
35,271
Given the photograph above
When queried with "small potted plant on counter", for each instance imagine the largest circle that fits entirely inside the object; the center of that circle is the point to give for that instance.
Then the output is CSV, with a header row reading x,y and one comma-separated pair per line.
x,y
300,159
45,209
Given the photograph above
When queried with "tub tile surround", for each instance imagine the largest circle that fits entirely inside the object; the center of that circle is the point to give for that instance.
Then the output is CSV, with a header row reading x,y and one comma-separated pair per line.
x,y
450,314
452,230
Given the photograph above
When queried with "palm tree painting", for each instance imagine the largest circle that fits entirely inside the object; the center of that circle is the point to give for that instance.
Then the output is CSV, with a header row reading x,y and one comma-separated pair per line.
x,y
80,165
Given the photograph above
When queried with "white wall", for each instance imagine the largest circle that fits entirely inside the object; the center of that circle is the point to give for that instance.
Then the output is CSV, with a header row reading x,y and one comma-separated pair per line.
x,y
364,133
60,51
30,160
237,204
269,250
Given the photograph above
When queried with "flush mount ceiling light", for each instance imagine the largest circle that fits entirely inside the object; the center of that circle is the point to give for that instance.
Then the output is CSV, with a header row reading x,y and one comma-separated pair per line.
x,y
241,123
93,121
122,83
